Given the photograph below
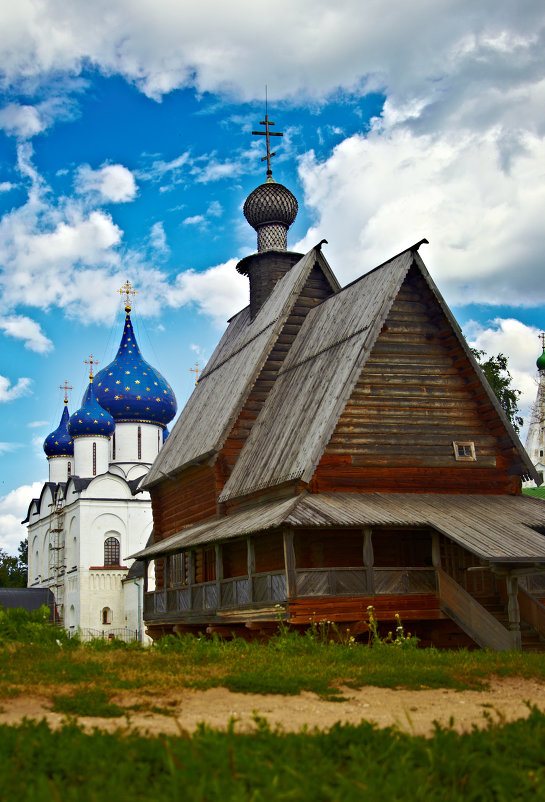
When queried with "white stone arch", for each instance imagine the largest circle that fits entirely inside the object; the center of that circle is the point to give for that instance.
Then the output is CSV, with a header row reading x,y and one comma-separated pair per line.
x,y
43,568
72,543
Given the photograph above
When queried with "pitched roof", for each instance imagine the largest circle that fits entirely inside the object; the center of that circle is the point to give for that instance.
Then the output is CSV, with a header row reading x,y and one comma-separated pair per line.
x,y
495,528
214,405
319,374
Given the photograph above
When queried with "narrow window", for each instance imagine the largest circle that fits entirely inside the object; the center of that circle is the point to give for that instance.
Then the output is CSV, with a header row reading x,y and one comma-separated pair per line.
x,y
177,563
94,459
113,446
111,551
464,451
158,440
106,615
69,469
139,442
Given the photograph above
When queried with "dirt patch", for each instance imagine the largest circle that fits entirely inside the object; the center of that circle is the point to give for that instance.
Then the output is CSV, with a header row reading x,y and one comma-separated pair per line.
x,y
411,711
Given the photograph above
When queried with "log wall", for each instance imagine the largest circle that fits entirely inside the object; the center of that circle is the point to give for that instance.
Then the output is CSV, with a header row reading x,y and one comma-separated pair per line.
x,y
417,394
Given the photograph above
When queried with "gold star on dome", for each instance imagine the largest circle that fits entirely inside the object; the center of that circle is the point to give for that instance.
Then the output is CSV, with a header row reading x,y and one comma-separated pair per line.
x,y
137,381
138,397
127,388
118,382
117,397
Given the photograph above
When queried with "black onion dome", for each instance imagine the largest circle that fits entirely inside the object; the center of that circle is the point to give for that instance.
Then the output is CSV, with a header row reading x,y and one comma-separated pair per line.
x,y
270,203
131,389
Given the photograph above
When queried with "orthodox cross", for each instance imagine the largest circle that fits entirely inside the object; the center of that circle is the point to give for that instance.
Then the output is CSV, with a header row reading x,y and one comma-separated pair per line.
x,y
65,387
267,134
542,338
91,361
127,290
195,370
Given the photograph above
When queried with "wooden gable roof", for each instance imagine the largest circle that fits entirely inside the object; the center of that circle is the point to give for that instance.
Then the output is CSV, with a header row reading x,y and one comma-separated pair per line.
x,y
208,417
498,529
320,373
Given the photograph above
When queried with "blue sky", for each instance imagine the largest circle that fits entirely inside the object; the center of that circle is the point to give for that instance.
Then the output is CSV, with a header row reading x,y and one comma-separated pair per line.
x,y
126,152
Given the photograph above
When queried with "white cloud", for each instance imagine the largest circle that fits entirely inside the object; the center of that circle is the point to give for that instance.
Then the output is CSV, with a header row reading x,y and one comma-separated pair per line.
x,y
22,122
6,186
519,343
158,238
13,509
218,292
7,448
9,392
114,183
23,328
36,424
195,220
376,195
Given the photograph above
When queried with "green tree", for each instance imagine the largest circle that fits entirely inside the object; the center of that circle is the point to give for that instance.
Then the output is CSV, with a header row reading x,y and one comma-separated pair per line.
x,y
496,371
14,570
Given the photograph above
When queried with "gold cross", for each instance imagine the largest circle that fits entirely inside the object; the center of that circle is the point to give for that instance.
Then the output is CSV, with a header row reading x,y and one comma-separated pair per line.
x,y
542,338
127,290
91,361
65,387
267,133
195,370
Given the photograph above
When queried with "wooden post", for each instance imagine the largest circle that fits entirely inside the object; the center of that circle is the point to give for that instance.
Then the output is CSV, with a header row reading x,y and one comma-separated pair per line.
x,y
146,569
168,575
435,550
191,576
219,573
369,559
513,610
289,563
251,567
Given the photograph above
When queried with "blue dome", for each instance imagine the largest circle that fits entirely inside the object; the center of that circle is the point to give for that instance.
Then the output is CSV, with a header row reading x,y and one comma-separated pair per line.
x,y
59,443
130,389
91,420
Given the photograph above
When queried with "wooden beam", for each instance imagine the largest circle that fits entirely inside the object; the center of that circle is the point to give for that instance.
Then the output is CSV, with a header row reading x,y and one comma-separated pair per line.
x,y
289,563
369,559
251,567
513,610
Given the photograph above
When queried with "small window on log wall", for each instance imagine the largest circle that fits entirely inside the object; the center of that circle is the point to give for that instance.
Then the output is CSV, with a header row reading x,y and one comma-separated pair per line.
x,y
464,451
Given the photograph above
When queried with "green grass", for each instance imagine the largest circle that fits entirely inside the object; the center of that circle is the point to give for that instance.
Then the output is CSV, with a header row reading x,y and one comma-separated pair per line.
x,y
284,665
347,763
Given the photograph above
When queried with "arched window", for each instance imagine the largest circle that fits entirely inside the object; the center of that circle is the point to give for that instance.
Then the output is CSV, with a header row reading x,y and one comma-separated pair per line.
x,y
69,469
111,551
106,615
94,459
139,442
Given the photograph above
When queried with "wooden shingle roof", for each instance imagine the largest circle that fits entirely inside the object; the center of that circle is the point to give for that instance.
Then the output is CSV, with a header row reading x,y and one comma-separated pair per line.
x,y
498,529
319,374
214,405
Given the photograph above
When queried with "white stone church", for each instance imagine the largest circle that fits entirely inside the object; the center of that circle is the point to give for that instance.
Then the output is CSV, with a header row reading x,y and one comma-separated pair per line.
x,y
89,515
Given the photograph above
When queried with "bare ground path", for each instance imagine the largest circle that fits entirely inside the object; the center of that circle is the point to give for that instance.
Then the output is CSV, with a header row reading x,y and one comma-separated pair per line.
x,y
411,711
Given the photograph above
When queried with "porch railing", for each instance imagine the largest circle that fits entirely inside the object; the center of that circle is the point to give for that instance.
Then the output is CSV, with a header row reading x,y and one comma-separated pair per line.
x,y
271,588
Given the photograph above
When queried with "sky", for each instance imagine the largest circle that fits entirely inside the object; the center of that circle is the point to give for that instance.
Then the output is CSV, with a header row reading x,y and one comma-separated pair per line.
x,y
126,152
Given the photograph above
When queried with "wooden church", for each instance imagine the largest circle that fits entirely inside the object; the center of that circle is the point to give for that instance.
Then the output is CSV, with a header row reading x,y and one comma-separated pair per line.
x,y
343,449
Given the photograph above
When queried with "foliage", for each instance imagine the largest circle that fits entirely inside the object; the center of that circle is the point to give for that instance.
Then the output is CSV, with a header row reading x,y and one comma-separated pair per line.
x,y
14,570
21,626
501,762
496,371
86,702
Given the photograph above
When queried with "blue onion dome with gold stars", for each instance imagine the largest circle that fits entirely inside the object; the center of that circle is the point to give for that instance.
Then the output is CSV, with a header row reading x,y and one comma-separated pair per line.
x,y
91,420
59,443
130,389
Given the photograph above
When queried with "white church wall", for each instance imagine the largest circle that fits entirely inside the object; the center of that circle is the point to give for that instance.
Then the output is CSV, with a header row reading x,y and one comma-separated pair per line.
x,y
58,468
85,464
132,448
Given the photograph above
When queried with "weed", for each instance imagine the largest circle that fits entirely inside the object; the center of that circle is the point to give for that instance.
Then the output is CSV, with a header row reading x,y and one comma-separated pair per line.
x,y
87,702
